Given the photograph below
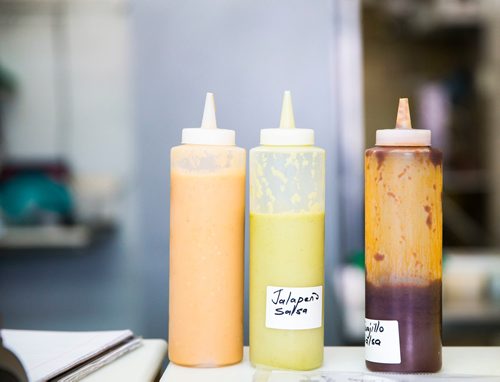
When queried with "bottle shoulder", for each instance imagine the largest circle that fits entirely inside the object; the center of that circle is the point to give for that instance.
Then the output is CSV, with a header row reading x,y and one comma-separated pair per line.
x,y
403,150
287,149
379,153
207,149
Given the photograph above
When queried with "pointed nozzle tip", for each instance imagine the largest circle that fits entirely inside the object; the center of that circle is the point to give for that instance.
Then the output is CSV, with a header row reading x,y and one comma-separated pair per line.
x,y
287,120
403,119
209,121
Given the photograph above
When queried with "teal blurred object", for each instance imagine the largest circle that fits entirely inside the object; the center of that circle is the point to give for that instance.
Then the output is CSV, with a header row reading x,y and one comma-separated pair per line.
x,y
35,198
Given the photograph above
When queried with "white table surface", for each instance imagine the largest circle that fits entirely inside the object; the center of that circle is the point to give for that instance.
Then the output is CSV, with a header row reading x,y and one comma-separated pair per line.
x,y
140,365
456,360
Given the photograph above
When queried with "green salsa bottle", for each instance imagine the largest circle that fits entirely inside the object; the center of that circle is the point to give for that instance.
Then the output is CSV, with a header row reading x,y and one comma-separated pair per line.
x,y
287,211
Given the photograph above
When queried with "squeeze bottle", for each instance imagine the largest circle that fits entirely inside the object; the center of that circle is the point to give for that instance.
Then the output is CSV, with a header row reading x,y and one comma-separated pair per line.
x,y
207,211
287,210
403,239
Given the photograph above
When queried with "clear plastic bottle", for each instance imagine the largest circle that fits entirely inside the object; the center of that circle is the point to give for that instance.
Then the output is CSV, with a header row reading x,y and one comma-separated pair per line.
x,y
287,209
207,212
403,228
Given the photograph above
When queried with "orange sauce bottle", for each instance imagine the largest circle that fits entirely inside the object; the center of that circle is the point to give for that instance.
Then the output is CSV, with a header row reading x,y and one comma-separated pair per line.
x,y
207,213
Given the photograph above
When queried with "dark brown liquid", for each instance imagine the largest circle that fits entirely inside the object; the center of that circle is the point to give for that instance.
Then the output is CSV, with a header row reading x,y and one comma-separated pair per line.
x,y
418,312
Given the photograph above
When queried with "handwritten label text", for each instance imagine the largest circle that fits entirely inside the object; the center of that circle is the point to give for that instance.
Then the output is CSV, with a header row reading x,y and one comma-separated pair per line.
x,y
294,308
382,341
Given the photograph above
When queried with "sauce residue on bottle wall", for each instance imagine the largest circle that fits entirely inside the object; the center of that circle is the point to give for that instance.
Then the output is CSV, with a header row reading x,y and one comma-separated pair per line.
x,y
287,180
408,185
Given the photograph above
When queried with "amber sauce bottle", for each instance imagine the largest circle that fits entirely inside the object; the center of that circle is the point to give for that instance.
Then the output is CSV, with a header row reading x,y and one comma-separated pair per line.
x,y
403,228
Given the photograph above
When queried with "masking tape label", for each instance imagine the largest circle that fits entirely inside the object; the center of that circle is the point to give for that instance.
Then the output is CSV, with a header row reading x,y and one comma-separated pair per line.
x,y
294,308
382,341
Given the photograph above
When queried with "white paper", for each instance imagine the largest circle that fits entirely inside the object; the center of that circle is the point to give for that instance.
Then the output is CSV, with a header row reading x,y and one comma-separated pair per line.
x,y
336,376
45,354
382,341
101,361
294,308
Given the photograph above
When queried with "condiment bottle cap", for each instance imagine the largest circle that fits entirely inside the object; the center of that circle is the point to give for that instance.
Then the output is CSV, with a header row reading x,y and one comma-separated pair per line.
x,y
287,134
403,134
208,133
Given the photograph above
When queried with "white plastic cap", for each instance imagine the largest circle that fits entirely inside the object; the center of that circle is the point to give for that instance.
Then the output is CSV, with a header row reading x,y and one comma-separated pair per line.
x,y
287,134
403,134
208,133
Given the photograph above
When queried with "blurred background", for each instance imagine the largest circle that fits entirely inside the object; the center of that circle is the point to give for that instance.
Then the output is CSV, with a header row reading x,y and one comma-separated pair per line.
x,y
94,93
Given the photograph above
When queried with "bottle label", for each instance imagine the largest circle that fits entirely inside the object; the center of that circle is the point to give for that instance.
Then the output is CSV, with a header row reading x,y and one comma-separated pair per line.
x,y
382,341
294,308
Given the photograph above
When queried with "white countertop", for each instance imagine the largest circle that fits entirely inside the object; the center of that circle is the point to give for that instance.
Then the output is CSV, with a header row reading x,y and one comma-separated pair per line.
x,y
141,364
478,361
